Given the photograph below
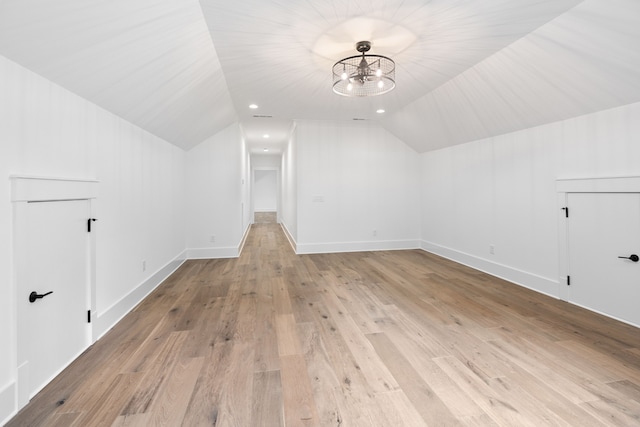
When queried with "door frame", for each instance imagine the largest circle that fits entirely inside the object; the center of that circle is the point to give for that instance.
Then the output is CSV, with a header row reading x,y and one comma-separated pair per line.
x,y
278,190
621,184
25,189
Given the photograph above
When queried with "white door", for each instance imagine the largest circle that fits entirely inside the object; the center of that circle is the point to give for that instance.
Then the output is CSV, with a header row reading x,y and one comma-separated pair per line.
x,y
604,232
52,254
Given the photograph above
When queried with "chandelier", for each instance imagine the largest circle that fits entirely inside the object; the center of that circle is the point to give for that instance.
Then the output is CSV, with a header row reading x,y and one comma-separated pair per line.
x,y
364,75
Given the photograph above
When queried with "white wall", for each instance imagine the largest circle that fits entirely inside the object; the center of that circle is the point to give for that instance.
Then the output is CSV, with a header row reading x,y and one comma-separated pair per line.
x,y
48,131
217,195
355,180
266,161
501,191
289,190
265,190
140,206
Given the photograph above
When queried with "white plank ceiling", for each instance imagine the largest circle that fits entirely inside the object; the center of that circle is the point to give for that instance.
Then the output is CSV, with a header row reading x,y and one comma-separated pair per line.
x,y
466,69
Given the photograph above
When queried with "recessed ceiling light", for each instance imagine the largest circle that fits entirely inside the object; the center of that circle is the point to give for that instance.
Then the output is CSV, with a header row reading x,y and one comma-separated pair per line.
x,y
253,106
265,150
380,111
266,135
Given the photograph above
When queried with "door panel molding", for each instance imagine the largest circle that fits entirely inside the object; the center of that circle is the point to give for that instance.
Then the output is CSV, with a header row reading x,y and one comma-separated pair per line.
x,y
619,184
26,188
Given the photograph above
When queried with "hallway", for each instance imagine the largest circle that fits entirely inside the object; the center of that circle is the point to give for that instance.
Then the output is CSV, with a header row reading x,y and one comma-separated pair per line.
x,y
400,338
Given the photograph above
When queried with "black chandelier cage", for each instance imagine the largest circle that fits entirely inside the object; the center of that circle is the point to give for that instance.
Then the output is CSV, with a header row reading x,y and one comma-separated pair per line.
x,y
364,75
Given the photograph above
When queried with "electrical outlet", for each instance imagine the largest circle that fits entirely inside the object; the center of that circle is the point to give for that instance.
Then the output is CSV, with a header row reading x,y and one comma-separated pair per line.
x,y
491,249
144,265
212,239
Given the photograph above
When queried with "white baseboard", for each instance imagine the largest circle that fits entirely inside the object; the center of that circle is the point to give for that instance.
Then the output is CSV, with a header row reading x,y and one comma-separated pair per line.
x,y
208,253
607,315
8,406
103,321
376,245
522,278
244,239
289,237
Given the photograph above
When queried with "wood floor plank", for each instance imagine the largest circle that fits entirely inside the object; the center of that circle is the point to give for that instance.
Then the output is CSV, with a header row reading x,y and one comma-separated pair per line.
x,y
108,405
377,374
267,407
396,409
156,374
628,388
170,406
235,400
502,411
133,420
299,405
62,420
355,304
203,407
202,336
267,358
341,389
610,415
557,401
372,339
322,375
423,398
544,368
287,334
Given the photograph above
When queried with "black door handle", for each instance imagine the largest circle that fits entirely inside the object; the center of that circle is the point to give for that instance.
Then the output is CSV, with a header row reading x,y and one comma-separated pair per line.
x,y
632,257
33,296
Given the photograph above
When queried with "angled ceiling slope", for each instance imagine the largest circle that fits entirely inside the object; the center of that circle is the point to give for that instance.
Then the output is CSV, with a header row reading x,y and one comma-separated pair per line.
x,y
466,69
150,62
584,61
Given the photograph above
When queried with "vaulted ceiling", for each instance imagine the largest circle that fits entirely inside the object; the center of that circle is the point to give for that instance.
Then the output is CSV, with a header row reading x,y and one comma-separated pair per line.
x,y
466,69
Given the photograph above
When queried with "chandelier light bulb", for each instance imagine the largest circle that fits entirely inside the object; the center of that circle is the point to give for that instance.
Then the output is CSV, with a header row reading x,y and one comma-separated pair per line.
x,y
378,72
380,84
349,87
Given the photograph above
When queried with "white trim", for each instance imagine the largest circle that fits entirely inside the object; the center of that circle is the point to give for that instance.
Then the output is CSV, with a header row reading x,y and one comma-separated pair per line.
x,y
563,249
244,239
289,237
8,407
606,315
377,245
212,253
522,278
37,189
619,184
105,320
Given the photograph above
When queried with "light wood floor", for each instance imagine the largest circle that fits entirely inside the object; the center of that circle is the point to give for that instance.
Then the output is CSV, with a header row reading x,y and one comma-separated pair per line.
x,y
360,339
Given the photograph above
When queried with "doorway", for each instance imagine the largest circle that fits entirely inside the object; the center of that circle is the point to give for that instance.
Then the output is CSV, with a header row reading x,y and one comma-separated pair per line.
x,y
602,252
265,195
53,277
